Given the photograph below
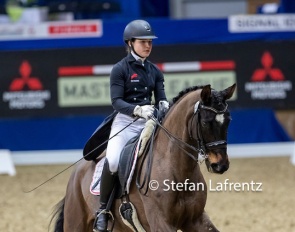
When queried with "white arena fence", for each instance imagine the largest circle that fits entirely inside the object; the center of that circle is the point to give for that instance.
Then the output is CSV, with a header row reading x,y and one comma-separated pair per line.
x,y
8,159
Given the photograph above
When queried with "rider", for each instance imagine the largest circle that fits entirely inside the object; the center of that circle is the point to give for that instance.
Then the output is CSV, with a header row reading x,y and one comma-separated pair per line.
x,y
133,81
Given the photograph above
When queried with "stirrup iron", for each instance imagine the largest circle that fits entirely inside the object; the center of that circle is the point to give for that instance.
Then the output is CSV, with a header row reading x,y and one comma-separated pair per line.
x,y
110,218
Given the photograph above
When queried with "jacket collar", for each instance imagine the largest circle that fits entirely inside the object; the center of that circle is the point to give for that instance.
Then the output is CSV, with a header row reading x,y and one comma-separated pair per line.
x,y
131,59
137,57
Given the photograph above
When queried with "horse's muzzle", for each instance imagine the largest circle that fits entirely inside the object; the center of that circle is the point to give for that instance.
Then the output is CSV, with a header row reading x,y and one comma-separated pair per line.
x,y
219,164
219,168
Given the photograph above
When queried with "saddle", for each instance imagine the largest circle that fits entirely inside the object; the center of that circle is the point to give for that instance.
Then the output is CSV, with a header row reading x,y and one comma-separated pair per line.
x,y
134,148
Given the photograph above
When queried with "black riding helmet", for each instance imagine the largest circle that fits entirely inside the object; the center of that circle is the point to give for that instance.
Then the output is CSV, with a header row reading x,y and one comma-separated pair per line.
x,y
138,29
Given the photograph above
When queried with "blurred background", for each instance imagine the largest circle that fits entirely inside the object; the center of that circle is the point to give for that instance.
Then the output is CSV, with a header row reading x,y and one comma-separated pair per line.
x,y
56,56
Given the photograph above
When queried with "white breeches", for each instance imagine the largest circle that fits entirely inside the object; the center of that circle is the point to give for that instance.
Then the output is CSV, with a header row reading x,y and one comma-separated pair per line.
x,y
116,144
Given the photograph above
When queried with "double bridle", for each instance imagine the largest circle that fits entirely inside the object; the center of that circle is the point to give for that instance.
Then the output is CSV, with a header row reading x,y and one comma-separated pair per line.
x,y
201,147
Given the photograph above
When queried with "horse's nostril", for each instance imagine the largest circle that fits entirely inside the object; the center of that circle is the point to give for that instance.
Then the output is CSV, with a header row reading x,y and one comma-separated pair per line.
x,y
214,166
218,168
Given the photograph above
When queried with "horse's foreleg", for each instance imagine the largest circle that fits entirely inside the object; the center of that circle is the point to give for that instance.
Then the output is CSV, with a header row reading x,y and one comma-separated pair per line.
x,y
157,223
78,216
203,224
160,226
75,215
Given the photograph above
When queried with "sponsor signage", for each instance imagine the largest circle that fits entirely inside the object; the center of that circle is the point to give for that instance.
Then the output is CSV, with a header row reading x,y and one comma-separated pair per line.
x,y
267,81
261,23
51,30
220,80
94,90
83,91
76,81
26,91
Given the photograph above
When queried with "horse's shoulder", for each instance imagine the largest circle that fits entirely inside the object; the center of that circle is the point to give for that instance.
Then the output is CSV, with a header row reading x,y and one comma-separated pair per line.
x,y
82,168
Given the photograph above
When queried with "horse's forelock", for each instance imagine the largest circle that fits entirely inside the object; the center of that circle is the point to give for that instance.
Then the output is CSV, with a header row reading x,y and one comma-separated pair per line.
x,y
217,100
216,96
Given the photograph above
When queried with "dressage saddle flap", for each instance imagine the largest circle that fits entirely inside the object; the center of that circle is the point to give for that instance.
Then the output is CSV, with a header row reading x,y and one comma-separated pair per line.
x,y
126,161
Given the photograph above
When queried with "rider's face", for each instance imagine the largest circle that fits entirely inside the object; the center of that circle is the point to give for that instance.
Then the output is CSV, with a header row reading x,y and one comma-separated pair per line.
x,y
143,47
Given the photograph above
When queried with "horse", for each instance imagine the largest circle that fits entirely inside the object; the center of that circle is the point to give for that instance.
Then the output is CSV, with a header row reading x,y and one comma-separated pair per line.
x,y
195,125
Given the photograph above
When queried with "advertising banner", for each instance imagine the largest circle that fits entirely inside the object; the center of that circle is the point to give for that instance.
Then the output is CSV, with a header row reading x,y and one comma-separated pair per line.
x,y
261,23
51,30
76,81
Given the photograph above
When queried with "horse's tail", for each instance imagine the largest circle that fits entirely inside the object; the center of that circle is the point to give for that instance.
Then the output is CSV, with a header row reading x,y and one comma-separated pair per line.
x,y
58,216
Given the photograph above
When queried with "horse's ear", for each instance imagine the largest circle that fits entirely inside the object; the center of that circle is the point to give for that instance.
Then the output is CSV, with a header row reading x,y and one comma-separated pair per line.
x,y
228,92
206,94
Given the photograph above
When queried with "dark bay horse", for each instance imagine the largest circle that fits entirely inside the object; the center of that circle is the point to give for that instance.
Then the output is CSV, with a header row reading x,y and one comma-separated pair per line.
x,y
196,124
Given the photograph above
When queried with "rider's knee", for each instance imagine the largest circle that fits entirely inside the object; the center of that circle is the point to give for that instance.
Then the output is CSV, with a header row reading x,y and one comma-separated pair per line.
x,y
113,165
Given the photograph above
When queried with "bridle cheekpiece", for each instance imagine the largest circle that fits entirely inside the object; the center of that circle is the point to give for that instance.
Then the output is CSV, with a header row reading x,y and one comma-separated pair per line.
x,y
201,146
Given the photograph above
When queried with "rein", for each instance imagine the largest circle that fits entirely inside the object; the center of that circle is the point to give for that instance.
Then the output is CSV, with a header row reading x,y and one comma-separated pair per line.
x,y
172,137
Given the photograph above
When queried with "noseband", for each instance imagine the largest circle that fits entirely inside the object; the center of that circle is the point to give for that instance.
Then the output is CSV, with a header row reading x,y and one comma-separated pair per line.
x,y
201,146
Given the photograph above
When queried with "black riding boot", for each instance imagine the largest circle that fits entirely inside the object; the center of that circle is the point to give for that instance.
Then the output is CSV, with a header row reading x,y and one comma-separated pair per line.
x,y
106,187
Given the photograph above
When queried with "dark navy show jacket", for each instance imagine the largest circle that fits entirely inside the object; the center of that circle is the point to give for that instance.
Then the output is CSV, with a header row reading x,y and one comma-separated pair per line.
x,y
133,84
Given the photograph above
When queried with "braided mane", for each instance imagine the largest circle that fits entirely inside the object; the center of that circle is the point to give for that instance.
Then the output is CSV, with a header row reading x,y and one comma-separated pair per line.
x,y
185,91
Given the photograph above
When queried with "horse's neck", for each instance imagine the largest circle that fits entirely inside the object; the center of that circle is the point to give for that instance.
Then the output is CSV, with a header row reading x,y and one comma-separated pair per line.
x,y
179,118
177,122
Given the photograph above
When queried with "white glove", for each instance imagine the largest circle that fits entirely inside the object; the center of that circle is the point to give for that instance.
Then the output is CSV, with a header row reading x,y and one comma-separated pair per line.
x,y
145,111
163,106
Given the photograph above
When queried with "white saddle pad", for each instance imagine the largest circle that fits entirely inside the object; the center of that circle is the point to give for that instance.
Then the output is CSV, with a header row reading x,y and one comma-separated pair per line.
x,y
144,137
95,184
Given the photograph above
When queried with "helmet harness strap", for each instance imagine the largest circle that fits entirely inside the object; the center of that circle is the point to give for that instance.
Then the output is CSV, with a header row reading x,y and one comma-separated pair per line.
x,y
132,48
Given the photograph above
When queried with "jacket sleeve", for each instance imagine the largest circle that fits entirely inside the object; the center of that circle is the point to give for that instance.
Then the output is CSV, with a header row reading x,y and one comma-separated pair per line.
x,y
117,89
159,90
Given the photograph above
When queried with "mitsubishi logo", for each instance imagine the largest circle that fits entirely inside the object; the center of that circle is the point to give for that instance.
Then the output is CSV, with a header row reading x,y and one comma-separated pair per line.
x,y
25,79
267,70
268,82
25,91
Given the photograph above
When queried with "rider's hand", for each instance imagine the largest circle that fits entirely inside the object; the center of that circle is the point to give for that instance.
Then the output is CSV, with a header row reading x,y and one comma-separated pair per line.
x,y
163,106
145,111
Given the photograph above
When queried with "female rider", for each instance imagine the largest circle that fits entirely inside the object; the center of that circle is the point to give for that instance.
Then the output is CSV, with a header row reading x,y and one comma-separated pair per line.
x,y
133,81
